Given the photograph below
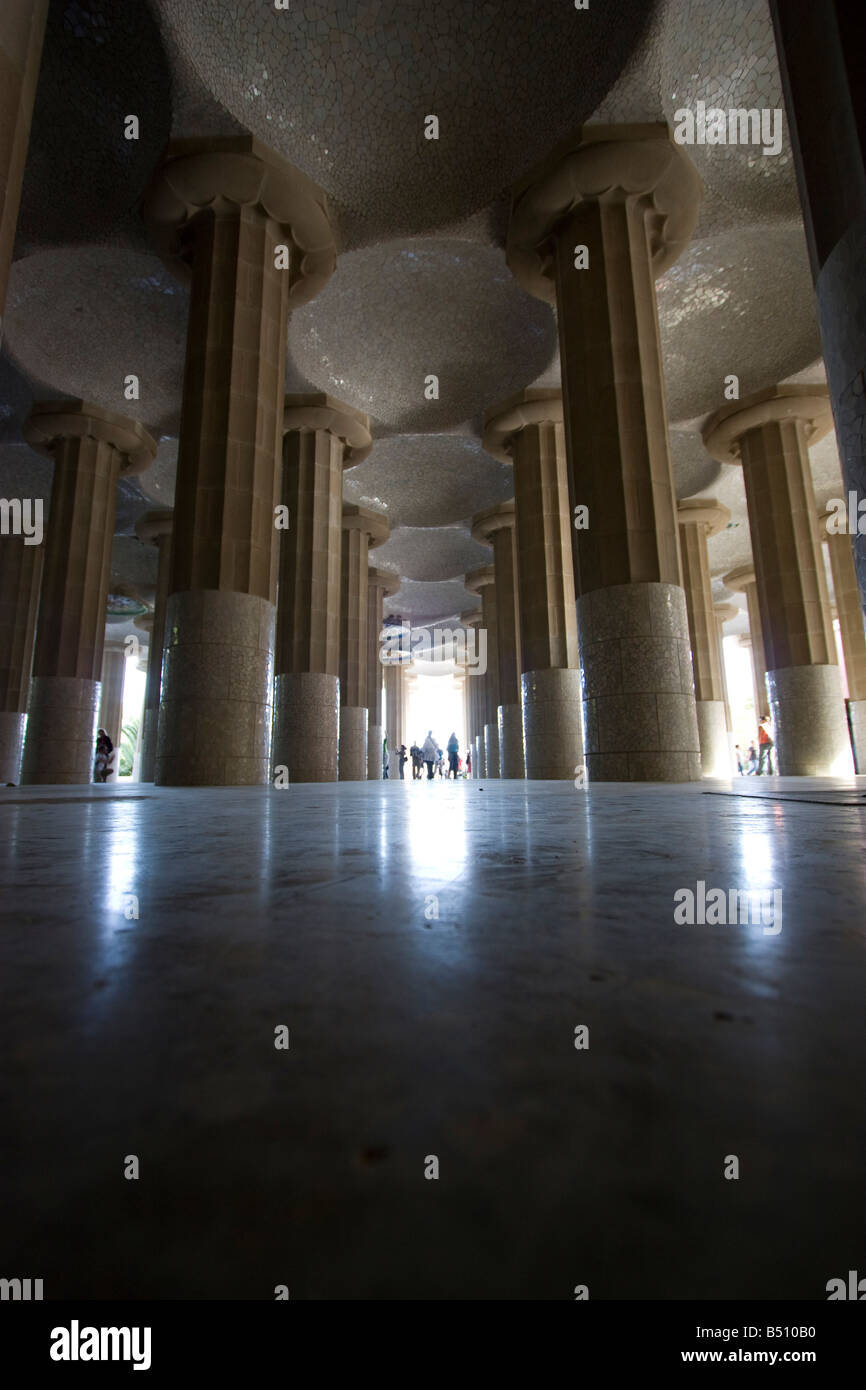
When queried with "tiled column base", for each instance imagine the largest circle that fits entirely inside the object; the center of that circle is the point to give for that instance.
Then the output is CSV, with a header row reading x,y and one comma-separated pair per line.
x,y
552,724
375,735
713,734
491,750
353,743
306,724
640,723
11,741
215,719
62,719
511,763
149,729
857,712
480,760
811,729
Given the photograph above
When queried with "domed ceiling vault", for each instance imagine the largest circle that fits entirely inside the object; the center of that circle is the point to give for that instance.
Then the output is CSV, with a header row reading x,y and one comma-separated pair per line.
x,y
344,89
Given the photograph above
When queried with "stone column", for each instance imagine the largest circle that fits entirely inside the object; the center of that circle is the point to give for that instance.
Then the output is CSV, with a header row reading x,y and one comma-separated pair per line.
x,y
362,530
822,52
257,235
590,230
497,527
154,528
474,688
379,584
91,448
743,580
723,613
483,581
769,433
111,696
21,33
698,519
322,437
393,673
20,576
852,632
527,431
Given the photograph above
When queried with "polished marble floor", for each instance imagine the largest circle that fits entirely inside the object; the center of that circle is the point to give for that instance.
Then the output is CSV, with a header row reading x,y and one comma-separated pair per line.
x,y
414,1035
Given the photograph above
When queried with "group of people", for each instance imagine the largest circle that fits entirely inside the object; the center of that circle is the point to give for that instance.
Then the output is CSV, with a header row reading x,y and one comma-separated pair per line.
x,y
430,754
757,760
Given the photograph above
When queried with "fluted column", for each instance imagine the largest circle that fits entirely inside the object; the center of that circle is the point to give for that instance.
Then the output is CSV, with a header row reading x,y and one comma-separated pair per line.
x,y
821,47
379,584
362,530
698,519
20,577
482,581
91,448
851,628
497,527
742,580
257,234
590,230
154,528
475,696
770,433
111,695
322,437
21,34
723,613
395,732
527,431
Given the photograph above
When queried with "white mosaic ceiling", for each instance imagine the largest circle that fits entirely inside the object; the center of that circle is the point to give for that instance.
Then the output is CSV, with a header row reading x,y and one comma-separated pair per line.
x,y
421,286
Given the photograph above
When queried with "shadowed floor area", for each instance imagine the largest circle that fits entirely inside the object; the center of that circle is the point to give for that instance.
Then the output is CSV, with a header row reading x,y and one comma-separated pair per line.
x,y
432,949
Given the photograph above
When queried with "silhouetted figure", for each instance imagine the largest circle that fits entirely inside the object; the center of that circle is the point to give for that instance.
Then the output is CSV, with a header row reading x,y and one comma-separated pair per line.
x,y
453,746
401,754
104,762
429,750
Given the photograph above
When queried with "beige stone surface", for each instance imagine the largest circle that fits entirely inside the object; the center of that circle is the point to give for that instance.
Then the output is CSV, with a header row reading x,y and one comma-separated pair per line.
x,y
62,719
713,736
353,743
306,719
491,750
849,609
811,730
217,681
511,759
553,723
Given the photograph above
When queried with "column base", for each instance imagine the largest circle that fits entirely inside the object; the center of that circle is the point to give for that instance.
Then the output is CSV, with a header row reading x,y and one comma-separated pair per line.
x,y
375,735
511,764
808,712
491,750
306,725
353,743
12,725
480,762
217,677
149,732
640,722
857,718
713,735
62,720
552,724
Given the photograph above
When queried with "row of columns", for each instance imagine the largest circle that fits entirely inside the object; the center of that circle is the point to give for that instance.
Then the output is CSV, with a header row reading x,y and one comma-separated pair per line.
x,y
590,230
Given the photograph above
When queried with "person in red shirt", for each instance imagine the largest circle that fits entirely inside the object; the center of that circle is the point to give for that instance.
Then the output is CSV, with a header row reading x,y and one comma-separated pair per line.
x,y
765,746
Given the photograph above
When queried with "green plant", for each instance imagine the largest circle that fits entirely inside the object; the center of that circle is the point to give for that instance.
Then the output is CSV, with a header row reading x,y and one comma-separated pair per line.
x,y
128,741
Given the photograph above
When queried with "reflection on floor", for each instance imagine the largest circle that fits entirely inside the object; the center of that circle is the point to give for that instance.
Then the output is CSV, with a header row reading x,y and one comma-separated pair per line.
x,y
432,949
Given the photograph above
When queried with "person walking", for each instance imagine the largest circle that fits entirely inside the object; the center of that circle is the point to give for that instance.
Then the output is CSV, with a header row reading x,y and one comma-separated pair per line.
x,y
429,750
453,747
415,755
738,753
765,747
401,753
752,761
468,762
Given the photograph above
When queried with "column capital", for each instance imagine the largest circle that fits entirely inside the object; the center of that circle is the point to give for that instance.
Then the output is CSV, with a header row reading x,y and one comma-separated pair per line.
x,y
222,175
723,431
374,525
318,411
739,579
724,612
703,511
485,524
536,405
153,527
383,579
471,618
52,421
479,578
608,163
115,644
